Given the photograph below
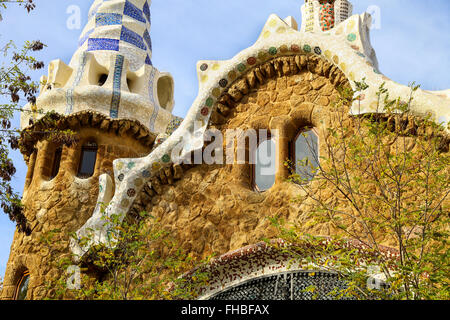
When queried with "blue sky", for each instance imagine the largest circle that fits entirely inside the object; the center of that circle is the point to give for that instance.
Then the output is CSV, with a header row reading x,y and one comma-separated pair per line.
x,y
412,44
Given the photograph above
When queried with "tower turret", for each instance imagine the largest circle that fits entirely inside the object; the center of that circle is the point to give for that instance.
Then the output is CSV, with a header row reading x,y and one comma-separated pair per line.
x,y
115,102
111,72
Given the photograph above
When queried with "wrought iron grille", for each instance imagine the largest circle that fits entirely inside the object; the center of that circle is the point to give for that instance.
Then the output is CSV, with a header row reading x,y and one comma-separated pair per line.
x,y
286,286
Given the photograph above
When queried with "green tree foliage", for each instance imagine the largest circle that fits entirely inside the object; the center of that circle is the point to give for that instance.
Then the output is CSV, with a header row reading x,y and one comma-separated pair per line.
x,y
27,4
17,87
385,179
141,261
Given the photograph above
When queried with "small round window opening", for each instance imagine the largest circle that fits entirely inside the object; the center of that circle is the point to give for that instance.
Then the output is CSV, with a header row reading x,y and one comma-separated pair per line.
x,y
305,154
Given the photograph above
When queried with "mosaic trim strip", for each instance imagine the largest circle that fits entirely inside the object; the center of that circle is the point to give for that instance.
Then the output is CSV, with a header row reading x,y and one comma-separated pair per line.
x,y
94,11
69,92
152,100
173,125
148,61
132,37
108,19
95,44
148,40
84,37
132,11
146,11
69,101
252,61
115,102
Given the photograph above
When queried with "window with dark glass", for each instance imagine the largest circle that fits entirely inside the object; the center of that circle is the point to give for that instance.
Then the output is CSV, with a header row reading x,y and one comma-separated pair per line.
x,y
56,162
264,168
87,161
306,154
22,286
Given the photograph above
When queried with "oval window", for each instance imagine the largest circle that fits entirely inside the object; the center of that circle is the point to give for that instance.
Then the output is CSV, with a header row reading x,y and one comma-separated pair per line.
x,y
265,165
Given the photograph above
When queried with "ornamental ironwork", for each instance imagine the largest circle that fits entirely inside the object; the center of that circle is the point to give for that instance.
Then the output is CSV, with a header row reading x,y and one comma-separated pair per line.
x,y
298,285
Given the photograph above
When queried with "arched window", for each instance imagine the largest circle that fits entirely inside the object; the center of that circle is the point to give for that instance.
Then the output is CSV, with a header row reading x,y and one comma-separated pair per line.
x,y
264,168
56,162
305,154
22,287
87,160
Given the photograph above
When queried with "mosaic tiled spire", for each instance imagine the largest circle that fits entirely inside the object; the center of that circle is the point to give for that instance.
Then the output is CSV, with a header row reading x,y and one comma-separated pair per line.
x,y
111,72
119,26
324,15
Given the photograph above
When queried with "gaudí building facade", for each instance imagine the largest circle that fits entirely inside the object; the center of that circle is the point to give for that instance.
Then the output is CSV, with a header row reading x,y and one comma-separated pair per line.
x,y
120,107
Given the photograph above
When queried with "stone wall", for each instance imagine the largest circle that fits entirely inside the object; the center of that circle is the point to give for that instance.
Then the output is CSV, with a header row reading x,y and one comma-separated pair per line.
x,y
211,209
64,203
214,208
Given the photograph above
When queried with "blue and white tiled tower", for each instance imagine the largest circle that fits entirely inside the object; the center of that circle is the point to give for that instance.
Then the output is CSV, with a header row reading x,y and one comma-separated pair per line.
x,y
111,72
119,26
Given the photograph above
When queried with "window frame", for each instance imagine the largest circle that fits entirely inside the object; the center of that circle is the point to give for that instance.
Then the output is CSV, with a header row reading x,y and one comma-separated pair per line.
x,y
292,149
88,146
24,276
254,185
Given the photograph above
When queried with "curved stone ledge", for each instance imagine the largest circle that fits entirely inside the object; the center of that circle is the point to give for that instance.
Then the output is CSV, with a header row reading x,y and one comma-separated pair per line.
x,y
54,122
277,67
